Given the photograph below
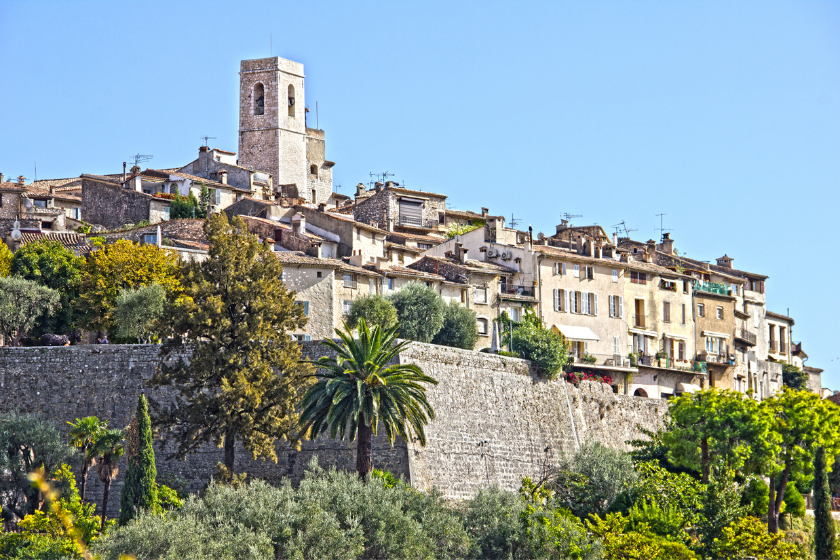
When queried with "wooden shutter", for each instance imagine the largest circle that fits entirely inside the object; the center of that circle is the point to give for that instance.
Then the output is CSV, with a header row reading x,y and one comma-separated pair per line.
x,y
577,271
595,303
620,307
556,299
563,268
566,306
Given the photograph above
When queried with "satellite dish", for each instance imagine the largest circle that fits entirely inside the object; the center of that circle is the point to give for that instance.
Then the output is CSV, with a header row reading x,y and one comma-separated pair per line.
x,y
16,235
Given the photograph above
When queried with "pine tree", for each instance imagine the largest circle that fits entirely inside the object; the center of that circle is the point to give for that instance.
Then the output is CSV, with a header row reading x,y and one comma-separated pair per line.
x,y
823,523
139,491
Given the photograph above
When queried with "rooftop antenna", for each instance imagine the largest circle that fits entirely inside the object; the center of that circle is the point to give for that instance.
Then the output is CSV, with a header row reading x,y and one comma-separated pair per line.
x,y
661,227
336,187
317,120
140,158
567,216
270,44
513,221
623,227
381,176
36,171
206,141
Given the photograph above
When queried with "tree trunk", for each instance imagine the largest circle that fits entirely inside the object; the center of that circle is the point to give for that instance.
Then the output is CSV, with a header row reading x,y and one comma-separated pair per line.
x,y
85,468
364,449
704,459
107,485
772,518
780,495
230,443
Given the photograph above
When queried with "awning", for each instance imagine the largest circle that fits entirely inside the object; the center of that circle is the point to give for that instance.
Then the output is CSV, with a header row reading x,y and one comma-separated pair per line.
x,y
644,332
583,334
687,388
676,336
715,334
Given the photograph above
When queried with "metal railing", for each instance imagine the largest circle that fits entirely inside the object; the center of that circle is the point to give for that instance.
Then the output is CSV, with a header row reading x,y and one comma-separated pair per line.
x,y
612,360
782,347
773,346
350,284
639,321
746,335
516,289
417,222
711,287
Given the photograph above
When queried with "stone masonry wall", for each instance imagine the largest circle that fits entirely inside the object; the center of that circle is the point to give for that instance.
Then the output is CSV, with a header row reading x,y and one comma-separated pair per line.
x,y
496,421
111,206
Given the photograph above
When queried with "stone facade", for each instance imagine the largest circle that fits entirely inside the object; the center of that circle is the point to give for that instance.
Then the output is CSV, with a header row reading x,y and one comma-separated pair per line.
x,y
106,203
382,207
319,183
182,229
496,421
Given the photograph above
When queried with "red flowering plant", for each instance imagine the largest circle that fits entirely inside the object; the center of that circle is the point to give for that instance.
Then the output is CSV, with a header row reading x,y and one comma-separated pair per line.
x,y
168,196
585,375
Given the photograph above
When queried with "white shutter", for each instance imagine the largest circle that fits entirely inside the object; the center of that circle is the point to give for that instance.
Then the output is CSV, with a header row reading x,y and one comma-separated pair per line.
x,y
584,300
564,268
556,299
620,306
566,306
577,271
595,297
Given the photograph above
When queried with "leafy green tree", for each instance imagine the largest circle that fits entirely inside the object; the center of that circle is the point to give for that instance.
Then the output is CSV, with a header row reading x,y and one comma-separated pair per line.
x,y
51,264
721,507
185,207
27,443
679,491
118,266
138,310
546,348
357,390
824,531
22,303
747,537
244,376
83,434
803,422
204,202
459,329
376,310
721,426
620,542
794,377
106,451
419,311
139,490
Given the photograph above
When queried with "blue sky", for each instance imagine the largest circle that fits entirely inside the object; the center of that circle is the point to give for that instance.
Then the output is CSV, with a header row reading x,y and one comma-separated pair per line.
x,y
723,115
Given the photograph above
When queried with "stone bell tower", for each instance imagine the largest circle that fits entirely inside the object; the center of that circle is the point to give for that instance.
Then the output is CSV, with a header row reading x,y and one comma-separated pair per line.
x,y
272,122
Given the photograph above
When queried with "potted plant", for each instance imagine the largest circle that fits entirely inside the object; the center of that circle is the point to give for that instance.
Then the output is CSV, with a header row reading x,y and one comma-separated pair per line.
x,y
661,355
588,359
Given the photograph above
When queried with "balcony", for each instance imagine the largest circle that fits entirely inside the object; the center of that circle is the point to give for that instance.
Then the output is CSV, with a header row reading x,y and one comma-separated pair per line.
x,y
711,288
348,283
746,336
516,290
774,346
725,359
412,221
782,347
598,361
639,321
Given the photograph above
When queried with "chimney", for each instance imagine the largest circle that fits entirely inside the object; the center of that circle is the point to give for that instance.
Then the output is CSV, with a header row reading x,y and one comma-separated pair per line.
x,y
21,179
136,180
485,212
223,177
360,189
562,225
378,187
461,252
667,244
725,261
390,224
203,149
322,207
650,250
299,224
615,239
389,184
124,164
2,178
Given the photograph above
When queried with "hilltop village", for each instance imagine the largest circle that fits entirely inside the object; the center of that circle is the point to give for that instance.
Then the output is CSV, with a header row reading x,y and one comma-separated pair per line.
x,y
656,321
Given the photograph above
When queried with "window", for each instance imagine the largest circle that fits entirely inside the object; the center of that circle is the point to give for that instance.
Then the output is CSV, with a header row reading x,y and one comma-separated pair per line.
x,y
305,306
480,295
616,303
713,345
319,274
76,213
313,170
358,234
585,301
590,272
666,312
390,283
371,288
259,99
314,195
577,271
441,217
734,288
345,306
701,310
166,213
464,297
720,312
301,337
683,315
149,239
593,305
640,313
669,347
638,278
615,276
681,355
516,314
559,299
424,245
482,326
291,100
349,282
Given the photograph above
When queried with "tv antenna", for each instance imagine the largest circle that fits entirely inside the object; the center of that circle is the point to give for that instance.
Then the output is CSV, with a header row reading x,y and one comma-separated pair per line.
x,y
140,158
567,216
622,227
513,221
381,176
336,187
206,139
661,227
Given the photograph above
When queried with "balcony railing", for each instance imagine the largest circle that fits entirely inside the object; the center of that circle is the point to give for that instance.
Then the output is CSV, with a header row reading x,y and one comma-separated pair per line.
x,y
711,287
350,284
639,321
609,360
746,336
782,347
774,346
417,222
516,290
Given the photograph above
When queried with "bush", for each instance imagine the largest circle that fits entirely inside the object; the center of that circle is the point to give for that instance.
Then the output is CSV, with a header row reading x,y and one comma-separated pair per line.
x,y
375,310
185,207
755,497
542,346
137,310
794,377
419,311
492,519
748,537
459,329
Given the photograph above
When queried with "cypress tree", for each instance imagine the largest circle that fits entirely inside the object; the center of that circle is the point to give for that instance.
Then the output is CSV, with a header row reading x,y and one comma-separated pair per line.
x,y
823,523
140,490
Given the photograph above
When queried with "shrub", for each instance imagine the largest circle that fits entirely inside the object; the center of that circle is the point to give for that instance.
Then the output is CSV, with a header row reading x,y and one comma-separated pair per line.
x,y
492,519
748,537
542,346
22,303
794,377
376,310
756,497
459,329
137,310
419,311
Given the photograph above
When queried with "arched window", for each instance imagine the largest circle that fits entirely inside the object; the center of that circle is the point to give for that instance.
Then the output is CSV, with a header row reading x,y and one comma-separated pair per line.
x,y
313,170
291,100
640,393
259,99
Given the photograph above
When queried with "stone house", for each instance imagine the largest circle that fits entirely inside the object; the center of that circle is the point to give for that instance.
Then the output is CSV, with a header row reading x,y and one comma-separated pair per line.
x,y
166,184
34,211
106,203
184,236
75,242
361,243
293,237
394,208
220,166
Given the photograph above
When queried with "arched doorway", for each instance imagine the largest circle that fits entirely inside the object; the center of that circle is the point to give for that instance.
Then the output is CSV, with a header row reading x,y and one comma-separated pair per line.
x,y
640,393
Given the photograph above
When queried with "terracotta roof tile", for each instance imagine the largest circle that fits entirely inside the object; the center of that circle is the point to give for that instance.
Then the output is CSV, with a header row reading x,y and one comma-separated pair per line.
x,y
73,241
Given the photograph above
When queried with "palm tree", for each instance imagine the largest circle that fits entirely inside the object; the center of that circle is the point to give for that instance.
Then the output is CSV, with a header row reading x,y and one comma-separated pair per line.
x,y
357,390
83,435
107,450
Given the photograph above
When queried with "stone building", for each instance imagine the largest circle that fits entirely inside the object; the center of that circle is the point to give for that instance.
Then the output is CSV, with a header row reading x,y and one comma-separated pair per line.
x,y
33,208
273,135
220,166
391,207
